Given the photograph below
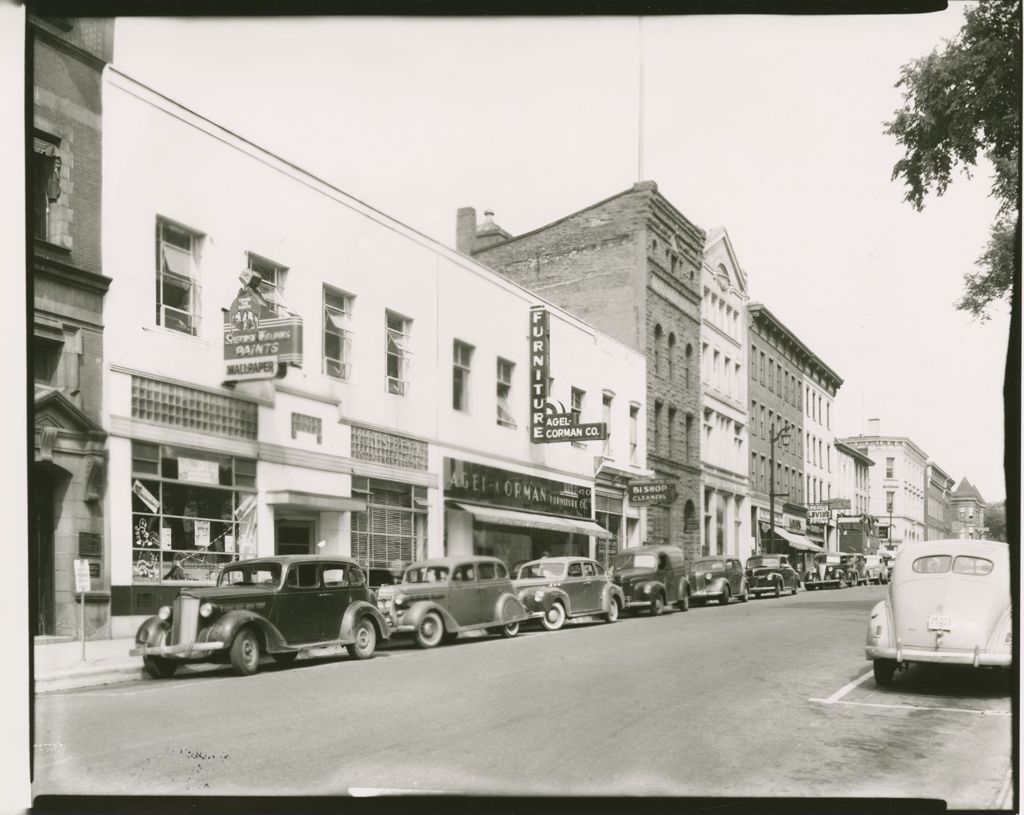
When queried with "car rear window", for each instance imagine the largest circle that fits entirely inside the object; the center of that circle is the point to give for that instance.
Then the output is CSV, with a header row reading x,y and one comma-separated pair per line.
x,y
933,564
965,564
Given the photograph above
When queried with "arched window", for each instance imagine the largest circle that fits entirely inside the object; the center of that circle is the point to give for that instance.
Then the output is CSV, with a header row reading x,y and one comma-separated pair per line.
x,y
657,348
689,357
671,354
689,517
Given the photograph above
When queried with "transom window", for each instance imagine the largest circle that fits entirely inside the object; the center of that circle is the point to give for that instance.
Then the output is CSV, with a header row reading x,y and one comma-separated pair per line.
x,y
177,280
337,333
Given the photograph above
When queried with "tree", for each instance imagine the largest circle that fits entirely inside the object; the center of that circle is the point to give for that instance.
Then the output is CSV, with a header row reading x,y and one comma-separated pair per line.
x,y
995,520
958,104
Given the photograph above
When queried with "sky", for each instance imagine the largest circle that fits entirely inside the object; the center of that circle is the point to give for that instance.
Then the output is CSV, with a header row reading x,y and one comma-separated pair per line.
x,y
771,126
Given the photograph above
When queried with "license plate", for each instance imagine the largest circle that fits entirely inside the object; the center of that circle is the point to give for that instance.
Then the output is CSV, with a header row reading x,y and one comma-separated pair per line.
x,y
940,622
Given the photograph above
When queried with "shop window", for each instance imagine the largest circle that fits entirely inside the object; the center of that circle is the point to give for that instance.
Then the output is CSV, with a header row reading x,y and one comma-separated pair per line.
x,y
462,355
392,531
337,333
397,362
192,512
504,393
177,278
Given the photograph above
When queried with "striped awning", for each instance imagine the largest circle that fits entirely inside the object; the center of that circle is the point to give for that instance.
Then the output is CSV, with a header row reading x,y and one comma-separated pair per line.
x,y
794,539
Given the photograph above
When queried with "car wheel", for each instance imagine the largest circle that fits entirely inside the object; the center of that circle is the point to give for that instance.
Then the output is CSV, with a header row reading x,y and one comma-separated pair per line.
x,y
509,631
724,599
796,586
778,590
245,653
613,611
684,601
554,618
885,669
842,582
657,605
159,667
430,631
286,657
743,594
365,636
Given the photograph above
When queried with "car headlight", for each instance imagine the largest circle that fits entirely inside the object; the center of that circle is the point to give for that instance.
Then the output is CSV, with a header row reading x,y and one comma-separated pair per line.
x,y
399,599
164,613
647,589
538,596
707,576
206,609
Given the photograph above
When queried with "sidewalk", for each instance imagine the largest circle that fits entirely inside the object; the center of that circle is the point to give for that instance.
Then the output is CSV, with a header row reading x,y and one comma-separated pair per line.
x,y
59,665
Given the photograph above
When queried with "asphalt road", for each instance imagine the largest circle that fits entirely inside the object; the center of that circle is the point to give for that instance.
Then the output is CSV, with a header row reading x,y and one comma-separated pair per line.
x,y
768,698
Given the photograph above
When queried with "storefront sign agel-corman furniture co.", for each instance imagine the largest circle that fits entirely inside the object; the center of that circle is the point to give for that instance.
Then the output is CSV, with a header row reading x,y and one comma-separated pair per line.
x,y
259,337
546,424
465,480
652,491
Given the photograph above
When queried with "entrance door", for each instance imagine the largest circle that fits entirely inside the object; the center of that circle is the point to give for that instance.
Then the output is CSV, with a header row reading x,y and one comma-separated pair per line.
x,y
293,537
42,551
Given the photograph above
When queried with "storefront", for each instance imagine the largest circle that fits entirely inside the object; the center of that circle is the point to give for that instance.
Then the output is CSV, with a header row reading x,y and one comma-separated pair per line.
x,y
516,516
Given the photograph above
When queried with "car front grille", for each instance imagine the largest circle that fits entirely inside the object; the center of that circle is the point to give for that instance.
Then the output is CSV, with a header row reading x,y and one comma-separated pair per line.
x,y
185,621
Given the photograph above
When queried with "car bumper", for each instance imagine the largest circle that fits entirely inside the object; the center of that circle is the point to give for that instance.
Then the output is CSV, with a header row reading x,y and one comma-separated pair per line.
x,y
704,594
636,602
960,657
820,584
765,589
175,651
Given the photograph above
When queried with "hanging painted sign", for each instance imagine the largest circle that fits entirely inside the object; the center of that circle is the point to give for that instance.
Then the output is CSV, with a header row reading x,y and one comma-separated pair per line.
x,y
258,335
652,491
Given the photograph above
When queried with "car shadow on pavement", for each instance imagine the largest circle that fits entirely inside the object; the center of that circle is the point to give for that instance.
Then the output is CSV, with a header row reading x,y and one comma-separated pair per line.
x,y
959,681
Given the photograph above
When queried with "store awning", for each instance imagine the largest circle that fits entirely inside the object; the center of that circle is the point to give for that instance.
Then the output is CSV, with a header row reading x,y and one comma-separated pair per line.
x,y
794,539
513,517
309,500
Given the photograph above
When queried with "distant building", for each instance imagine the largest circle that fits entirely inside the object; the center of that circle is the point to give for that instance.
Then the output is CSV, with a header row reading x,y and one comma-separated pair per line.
x,y
631,265
820,386
858,531
938,508
968,512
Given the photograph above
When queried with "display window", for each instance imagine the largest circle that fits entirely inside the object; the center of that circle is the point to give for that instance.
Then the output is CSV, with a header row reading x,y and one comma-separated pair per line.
x,y
608,514
192,513
516,545
392,532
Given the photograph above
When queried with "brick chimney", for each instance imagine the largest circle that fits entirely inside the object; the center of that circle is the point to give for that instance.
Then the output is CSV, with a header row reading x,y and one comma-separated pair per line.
x,y
465,230
874,427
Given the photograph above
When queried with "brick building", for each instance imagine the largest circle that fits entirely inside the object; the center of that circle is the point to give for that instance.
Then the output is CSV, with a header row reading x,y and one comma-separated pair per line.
x,y
631,266
67,57
938,510
968,512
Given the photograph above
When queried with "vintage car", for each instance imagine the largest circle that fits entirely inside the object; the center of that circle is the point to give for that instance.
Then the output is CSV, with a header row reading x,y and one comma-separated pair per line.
x,y
771,574
856,569
553,589
948,602
717,578
651,576
828,572
877,569
440,597
274,605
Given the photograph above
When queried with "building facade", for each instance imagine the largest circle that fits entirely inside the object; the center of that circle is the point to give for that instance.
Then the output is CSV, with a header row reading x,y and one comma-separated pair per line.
x,y
632,266
968,512
857,527
938,510
820,384
724,420
398,428
897,484
66,481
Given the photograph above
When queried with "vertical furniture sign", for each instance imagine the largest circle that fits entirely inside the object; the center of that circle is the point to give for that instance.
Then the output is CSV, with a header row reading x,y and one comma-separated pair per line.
x,y
540,361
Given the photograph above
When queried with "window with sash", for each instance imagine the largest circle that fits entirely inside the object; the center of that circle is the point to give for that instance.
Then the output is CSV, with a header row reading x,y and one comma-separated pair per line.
x,y
177,278
504,393
462,355
337,333
397,355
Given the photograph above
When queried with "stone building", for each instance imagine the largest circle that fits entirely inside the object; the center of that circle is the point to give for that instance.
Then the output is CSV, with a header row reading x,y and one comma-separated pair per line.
x,y
66,482
631,265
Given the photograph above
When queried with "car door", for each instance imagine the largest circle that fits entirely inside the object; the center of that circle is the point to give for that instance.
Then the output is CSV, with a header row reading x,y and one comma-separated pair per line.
x,y
297,614
575,586
734,574
789,578
335,595
489,589
590,599
464,594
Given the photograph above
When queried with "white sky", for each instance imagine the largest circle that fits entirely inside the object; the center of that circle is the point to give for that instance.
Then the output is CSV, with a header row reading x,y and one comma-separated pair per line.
x,y
769,126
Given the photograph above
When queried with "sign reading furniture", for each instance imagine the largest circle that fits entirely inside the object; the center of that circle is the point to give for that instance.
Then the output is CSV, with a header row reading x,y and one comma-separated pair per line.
x,y
546,424
258,335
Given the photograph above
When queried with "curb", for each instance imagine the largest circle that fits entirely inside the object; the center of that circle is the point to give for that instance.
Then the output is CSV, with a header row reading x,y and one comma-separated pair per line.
x,y
86,678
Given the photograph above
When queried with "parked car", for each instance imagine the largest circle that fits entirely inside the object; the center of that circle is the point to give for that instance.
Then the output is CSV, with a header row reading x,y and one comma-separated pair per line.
x,y
771,574
651,576
274,605
827,572
878,572
441,597
717,578
948,602
554,589
856,568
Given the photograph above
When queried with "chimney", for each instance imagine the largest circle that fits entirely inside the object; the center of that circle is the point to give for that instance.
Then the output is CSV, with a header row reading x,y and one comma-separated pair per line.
x,y
874,427
465,230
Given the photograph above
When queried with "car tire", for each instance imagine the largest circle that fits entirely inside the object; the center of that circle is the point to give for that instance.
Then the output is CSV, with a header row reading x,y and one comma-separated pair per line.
x,y
509,631
885,670
245,653
744,593
430,632
778,590
285,657
554,617
683,603
365,636
842,582
159,667
613,611
449,637
796,588
724,599
657,605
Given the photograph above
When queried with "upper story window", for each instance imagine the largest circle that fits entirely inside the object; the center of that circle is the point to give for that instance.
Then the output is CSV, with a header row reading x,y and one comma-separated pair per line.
x,y
272,276
671,432
337,333
505,369
462,354
890,468
657,427
671,354
657,349
177,277
689,361
576,408
606,417
45,180
397,355
634,432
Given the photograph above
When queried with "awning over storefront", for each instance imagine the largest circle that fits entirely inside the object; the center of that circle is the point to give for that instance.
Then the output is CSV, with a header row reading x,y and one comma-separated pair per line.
x,y
309,500
794,539
511,517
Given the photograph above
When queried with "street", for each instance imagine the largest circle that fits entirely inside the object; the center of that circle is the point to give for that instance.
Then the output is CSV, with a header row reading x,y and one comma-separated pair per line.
x,y
768,698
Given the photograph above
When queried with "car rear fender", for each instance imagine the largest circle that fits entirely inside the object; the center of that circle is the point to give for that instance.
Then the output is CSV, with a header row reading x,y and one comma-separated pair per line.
x,y
359,609
1001,642
508,609
417,611
225,627
152,631
612,591
880,626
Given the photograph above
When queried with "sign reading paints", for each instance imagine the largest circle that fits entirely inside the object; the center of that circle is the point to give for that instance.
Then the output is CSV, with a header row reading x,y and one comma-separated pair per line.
x,y
652,491
257,338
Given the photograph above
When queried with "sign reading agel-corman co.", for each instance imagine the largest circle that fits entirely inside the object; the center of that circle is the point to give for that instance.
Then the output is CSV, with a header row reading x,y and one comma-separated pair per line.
x,y
257,339
504,488
652,491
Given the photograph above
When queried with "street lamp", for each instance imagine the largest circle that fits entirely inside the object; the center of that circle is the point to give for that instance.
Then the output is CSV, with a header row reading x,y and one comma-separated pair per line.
x,y
782,436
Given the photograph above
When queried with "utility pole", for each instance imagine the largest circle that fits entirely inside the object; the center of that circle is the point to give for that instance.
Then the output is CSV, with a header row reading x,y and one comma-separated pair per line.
x,y
782,436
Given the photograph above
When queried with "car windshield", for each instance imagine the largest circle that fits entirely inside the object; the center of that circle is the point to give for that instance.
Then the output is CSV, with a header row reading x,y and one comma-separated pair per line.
x,y
250,574
541,570
425,574
764,563
636,560
708,566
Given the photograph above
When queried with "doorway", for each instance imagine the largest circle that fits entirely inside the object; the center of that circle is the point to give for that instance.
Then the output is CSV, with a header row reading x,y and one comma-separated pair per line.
x,y
42,551
293,537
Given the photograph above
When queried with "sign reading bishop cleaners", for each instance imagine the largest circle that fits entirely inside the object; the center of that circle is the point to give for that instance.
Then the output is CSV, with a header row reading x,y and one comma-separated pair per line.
x,y
547,425
256,338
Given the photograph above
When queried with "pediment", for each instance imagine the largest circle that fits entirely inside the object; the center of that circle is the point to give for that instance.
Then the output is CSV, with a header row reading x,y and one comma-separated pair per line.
x,y
720,256
53,409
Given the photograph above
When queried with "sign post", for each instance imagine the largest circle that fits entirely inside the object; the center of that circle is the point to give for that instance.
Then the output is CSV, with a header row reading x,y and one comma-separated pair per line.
x,y
82,585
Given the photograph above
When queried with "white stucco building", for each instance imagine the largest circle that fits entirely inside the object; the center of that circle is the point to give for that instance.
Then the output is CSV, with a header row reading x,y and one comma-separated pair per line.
x,y
405,431
820,465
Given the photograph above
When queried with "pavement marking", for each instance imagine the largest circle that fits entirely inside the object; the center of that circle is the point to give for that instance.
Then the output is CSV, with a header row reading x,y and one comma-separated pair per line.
x,y
1004,798
845,689
373,792
830,701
